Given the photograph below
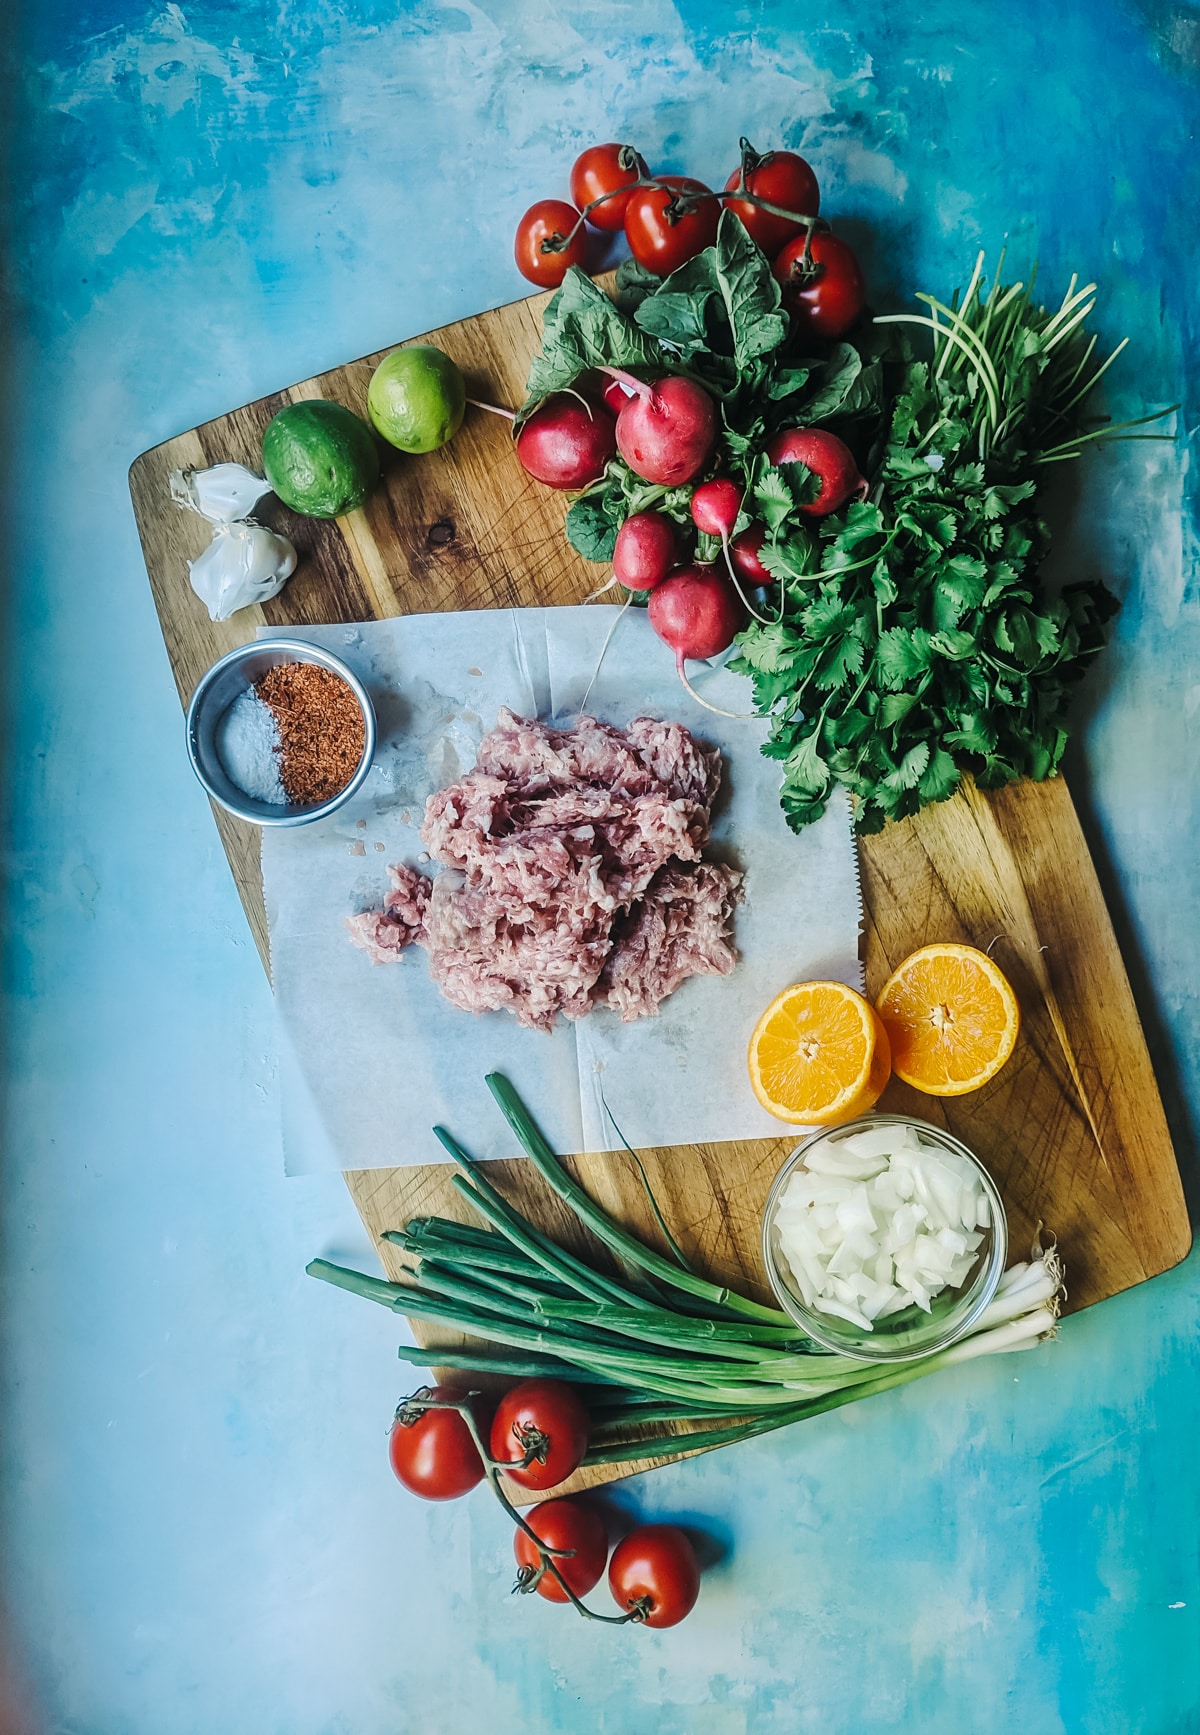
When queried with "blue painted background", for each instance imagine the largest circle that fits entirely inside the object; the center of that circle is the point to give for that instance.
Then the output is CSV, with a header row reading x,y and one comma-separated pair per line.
x,y
200,1529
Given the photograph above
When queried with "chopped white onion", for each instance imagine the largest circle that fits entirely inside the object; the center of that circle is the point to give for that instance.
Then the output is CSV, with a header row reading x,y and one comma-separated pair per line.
x,y
879,1220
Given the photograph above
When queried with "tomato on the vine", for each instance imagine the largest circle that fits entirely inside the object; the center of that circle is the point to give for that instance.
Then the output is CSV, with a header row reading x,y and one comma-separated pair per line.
x,y
655,1566
432,1451
537,249
545,1418
668,224
823,288
562,1524
784,179
600,173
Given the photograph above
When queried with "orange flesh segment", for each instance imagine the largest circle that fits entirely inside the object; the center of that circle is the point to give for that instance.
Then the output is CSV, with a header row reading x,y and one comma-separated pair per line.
x,y
818,1054
952,1019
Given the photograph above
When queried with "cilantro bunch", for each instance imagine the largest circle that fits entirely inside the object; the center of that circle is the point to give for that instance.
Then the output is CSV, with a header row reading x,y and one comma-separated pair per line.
x,y
911,637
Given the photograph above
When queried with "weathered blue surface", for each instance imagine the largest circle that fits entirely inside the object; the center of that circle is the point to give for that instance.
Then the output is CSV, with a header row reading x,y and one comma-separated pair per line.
x,y
201,1532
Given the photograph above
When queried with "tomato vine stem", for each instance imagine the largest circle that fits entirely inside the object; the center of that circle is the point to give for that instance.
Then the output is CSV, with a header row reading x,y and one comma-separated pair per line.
x,y
680,204
494,1468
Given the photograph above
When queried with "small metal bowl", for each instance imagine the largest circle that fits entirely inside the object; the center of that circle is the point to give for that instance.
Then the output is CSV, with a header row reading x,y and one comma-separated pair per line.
x,y
908,1335
217,690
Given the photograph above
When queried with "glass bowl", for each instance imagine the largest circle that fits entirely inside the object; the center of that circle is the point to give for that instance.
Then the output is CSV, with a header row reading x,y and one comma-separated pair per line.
x,y
912,1333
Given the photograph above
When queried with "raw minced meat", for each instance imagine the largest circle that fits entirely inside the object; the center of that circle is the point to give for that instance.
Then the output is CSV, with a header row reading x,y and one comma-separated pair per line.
x,y
571,874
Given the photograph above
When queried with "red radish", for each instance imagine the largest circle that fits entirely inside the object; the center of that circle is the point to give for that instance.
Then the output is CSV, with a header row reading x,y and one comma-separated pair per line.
x,y
667,430
715,507
828,458
645,551
566,443
744,552
616,396
696,612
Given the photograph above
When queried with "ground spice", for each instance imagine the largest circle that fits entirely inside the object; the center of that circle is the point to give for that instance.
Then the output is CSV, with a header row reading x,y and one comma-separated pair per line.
x,y
320,727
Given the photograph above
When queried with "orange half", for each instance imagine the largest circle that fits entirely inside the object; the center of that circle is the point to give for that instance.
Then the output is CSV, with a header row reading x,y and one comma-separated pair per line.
x,y
819,1055
952,1019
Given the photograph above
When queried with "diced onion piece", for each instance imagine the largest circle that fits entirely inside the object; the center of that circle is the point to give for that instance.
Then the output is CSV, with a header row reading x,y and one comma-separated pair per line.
x,y
879,1221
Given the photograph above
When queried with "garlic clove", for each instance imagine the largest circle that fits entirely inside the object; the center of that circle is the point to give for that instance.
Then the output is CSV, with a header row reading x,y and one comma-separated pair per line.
x,y
223,494
242,565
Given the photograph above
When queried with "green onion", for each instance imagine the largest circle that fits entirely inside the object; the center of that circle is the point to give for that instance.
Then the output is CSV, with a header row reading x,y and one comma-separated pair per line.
x,y
715,1364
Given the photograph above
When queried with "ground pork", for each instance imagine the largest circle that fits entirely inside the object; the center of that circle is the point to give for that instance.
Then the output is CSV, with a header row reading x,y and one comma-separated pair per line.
x,y
572,874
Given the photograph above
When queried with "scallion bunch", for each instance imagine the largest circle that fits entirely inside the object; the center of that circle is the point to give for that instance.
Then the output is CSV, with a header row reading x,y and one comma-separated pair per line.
x,y
656,1346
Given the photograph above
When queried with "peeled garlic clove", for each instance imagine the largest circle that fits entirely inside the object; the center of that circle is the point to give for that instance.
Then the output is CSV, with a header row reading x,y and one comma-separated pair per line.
x,y
224,494
243,564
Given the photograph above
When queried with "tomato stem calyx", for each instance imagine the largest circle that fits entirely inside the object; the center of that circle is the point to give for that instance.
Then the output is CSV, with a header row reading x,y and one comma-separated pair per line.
x,y
751,160
410,1410
533,1443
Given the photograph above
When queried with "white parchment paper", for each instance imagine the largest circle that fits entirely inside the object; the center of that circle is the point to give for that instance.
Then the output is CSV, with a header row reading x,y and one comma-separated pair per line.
x,y
372,1056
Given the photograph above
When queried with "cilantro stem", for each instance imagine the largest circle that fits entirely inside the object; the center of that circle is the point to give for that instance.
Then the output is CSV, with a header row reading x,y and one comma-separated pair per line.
x,y
1110,432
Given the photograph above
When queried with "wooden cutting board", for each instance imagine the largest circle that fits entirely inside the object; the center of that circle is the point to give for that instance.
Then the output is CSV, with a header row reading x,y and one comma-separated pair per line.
x,y
1073,1128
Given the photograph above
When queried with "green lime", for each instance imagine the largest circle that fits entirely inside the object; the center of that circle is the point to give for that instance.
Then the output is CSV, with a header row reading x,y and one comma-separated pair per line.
x,y
417,398
320,458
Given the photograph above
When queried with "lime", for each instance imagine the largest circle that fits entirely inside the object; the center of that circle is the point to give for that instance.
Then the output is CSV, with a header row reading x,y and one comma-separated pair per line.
x,y
417,397
320,458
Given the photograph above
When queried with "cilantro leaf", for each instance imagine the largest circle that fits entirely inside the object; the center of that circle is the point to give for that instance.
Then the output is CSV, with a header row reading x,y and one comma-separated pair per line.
x,y
781,488
903,653
793,558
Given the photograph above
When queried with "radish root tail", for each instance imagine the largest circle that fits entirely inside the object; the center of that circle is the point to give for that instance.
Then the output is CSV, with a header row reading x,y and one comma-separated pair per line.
x,y
603,653
763,620
717,710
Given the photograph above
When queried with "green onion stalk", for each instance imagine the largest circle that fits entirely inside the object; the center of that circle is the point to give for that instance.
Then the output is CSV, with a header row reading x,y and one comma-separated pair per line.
x,y
656,1345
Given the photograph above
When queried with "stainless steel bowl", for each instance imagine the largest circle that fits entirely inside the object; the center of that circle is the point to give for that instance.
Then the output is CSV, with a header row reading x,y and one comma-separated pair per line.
x,y
217,690
904,1336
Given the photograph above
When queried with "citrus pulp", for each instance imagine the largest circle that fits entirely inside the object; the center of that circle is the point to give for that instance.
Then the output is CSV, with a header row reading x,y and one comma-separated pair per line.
x,y
951,1017
819,1055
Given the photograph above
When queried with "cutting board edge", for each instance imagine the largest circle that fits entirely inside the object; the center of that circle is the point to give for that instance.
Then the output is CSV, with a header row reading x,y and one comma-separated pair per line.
x,y
1170,1246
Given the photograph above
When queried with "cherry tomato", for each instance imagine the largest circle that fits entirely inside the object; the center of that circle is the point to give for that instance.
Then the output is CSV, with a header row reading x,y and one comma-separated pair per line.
x,y
827,293
546,1417
563,1524
658,1563
549,220
603,170
661,236
784,179
432,1451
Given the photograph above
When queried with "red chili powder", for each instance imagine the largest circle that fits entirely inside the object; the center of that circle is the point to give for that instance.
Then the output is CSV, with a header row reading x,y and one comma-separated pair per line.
x,y
320,727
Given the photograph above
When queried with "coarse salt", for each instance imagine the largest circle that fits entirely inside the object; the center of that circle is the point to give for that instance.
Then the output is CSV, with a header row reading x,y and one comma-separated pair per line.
x,y
248,744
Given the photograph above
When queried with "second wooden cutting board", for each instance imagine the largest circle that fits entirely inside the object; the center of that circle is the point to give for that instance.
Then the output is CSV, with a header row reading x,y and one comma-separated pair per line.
x,y
1073,1129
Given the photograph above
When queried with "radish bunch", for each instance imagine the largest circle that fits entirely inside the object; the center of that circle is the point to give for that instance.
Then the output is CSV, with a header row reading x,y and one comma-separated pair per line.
x,y
665,430
687,478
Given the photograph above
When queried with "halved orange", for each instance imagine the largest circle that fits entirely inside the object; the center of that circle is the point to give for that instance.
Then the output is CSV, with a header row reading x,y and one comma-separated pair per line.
x,y
819,1055
952,1018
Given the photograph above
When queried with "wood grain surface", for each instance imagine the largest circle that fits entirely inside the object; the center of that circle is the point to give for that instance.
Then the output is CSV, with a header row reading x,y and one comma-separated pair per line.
x,y
1072,1129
